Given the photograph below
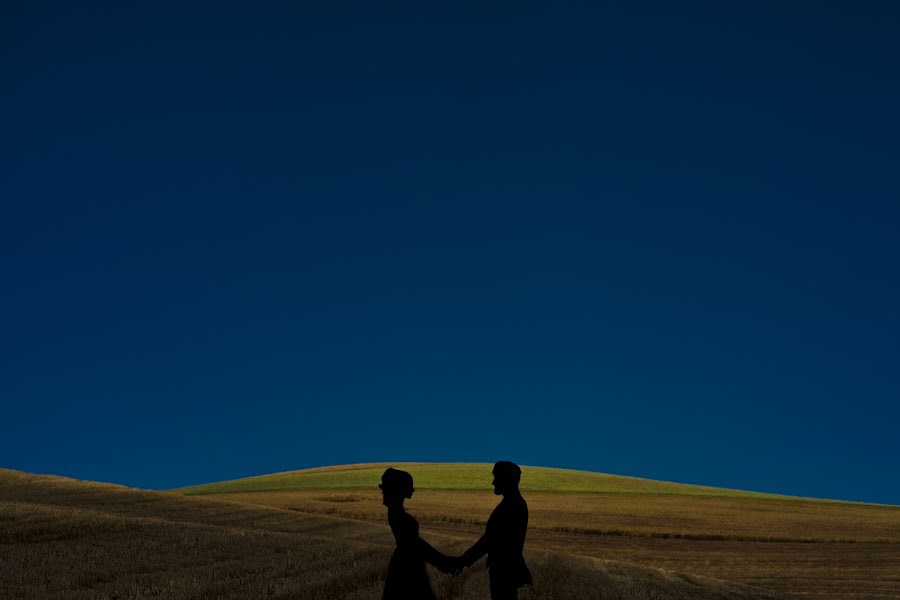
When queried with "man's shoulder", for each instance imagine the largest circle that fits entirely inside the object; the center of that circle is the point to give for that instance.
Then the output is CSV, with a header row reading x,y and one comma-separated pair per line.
x,y
516,500
512,505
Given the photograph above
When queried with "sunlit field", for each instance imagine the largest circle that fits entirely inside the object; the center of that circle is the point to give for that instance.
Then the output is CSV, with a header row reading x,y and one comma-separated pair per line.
x,y
457,476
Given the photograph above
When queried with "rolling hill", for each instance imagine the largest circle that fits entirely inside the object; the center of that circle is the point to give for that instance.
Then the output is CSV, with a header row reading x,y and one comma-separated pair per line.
x,y
458,476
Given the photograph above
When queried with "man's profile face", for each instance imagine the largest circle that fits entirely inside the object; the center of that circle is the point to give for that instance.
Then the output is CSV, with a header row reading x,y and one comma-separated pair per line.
x,y
498,486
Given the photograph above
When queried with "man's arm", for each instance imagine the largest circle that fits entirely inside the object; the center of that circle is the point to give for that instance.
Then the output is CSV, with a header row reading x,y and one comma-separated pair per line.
x,y
478,550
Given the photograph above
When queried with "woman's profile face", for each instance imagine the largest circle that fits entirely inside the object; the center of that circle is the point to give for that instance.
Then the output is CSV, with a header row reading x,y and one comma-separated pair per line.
x,y
395,486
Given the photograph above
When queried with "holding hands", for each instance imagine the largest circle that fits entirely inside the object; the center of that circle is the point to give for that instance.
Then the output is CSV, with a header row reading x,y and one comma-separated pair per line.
x,y
454,565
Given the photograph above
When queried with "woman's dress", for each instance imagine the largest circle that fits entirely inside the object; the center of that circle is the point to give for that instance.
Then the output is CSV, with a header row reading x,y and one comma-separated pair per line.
x,y
407,578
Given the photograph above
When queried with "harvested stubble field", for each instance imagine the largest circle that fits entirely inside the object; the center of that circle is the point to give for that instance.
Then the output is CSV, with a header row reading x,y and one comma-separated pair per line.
x,y
66,539
793,546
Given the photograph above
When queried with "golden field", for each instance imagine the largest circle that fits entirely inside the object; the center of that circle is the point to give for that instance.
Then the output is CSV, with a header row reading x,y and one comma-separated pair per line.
x,y
61,538
801,549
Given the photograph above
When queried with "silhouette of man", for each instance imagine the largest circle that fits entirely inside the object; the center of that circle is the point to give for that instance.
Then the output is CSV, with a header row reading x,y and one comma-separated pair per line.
x,y
504,536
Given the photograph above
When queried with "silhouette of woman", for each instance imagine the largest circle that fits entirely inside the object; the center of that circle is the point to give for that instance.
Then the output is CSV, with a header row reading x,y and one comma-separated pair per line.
x,y
407,578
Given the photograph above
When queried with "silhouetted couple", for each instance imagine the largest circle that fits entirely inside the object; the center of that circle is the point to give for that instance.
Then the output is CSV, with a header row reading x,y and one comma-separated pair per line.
x,y
503,540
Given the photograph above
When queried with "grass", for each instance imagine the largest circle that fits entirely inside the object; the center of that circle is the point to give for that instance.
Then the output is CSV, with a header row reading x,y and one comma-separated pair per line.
x,y
462,476
65,539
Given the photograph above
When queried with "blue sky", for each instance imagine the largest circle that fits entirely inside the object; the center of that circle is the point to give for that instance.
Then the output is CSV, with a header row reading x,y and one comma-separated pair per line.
x,y
651,240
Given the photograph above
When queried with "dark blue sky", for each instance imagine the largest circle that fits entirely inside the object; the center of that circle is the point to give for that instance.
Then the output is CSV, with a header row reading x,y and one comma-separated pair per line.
x,y
638,238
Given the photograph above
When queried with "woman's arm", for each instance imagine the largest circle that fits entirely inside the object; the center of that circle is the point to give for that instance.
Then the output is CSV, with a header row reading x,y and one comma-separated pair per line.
x,y
441,561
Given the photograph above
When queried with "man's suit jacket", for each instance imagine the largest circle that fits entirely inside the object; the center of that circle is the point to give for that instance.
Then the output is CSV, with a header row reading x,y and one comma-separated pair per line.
x,y
503,541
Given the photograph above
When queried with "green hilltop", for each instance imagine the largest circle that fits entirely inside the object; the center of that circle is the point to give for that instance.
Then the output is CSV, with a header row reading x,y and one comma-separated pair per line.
x,y
459,476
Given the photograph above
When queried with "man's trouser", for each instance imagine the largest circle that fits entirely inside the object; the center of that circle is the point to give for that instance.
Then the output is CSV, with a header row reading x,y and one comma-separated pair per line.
x,y
502,590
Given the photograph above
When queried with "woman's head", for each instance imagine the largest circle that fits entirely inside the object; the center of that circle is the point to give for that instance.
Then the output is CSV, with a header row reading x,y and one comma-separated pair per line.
x,y
395,486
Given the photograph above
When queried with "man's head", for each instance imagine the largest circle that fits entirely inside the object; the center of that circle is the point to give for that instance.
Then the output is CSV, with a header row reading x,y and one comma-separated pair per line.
x,y
506,477
395,486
